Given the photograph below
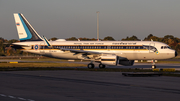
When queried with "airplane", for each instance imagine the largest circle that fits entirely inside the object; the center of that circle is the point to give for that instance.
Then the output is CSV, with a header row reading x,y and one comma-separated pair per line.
x,y
102,52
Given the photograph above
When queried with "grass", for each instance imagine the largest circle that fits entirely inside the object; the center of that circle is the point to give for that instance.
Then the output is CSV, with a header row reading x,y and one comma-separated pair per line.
x,y
41,59
169,62
45,59
70,66
161,61
41,65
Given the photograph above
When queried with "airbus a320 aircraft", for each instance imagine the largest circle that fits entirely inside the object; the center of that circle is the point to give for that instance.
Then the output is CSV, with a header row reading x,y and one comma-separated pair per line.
x,y
103,52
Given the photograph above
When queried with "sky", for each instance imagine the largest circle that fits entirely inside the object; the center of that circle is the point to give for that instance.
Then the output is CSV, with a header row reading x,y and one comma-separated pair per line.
x,y
78,18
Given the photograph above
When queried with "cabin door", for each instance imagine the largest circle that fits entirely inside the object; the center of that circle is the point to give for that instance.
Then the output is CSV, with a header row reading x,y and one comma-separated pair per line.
x,y
151,47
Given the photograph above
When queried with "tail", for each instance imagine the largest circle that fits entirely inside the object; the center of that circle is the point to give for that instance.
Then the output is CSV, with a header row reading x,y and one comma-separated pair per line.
x,y
25,31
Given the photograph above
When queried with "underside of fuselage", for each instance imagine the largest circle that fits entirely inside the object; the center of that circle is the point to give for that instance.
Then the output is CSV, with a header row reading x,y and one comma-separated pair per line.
x,y
134,55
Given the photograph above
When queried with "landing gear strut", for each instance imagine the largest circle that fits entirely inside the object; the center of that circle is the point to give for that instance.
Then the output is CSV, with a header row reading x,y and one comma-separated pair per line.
x,y
90,65
153,64
101,66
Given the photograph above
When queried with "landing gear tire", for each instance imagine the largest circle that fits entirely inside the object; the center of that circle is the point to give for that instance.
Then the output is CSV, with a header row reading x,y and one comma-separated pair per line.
x,y
153,66
101,66
90,66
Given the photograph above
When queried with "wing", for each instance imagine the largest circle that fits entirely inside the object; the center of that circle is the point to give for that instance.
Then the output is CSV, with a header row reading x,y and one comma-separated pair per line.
x,y
81,51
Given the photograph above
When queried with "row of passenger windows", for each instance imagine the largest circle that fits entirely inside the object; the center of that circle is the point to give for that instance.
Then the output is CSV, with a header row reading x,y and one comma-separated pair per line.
x,y
98,47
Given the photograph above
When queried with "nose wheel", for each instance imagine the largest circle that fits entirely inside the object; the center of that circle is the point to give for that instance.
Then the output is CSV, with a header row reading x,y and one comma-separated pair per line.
x,y
153,64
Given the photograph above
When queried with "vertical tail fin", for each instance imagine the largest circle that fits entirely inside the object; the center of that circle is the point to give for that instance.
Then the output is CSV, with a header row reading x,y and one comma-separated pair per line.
x,y
25,31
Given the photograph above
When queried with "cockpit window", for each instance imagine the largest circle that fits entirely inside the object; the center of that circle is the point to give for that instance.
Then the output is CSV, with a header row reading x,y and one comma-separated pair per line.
x,y
165,47
169,47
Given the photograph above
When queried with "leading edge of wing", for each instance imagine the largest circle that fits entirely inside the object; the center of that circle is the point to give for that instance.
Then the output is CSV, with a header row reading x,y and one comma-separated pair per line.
x,y
80,51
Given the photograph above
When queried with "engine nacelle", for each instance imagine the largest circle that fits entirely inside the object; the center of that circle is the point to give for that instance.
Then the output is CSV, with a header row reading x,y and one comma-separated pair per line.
x,y
126,62
109,59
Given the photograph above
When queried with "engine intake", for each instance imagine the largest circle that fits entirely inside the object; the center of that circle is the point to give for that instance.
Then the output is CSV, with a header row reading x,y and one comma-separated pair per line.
x,y
109,59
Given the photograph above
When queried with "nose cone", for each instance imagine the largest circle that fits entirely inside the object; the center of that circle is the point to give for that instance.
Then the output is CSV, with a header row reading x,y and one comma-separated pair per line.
x,y
176,53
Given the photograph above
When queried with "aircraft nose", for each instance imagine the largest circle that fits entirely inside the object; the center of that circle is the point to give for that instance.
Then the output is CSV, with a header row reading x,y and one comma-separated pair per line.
x,y
176,53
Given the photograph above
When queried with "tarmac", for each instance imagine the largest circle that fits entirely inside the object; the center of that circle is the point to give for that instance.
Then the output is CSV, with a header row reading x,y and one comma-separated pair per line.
x,y
69,85
176,66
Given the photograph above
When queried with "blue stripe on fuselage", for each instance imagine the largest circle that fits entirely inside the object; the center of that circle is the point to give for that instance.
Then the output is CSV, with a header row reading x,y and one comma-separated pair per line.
x,y
29,35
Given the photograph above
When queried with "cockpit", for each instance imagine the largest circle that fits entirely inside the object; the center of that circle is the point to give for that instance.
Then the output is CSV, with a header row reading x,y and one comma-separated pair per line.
x,y
151,48
165,47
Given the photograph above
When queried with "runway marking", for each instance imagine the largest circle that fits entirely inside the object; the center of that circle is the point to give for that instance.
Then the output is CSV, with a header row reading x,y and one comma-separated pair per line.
x,y
21,98
13,97
3,95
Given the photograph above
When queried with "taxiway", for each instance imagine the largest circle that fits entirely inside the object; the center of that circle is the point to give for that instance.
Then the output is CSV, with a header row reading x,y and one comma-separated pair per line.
x,y
69,85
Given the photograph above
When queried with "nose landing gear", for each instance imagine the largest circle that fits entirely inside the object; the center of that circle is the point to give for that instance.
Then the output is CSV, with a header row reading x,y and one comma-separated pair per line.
x,y
153,64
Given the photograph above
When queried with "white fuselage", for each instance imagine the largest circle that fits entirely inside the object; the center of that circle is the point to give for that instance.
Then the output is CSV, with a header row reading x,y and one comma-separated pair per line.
x,y
132,50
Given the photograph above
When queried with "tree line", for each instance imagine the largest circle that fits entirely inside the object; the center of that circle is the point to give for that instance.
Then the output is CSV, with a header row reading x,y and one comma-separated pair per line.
x,y
173,42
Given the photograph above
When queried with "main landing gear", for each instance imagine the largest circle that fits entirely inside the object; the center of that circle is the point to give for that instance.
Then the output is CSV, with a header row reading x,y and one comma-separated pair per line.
x,y
101,66
153,64
91,66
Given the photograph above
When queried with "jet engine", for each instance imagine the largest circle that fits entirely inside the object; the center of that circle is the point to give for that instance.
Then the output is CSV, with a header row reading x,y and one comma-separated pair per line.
x,y
126,62
109,59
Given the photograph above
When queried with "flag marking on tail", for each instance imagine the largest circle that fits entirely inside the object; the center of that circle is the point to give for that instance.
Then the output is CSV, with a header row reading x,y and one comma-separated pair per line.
x,y
18,24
